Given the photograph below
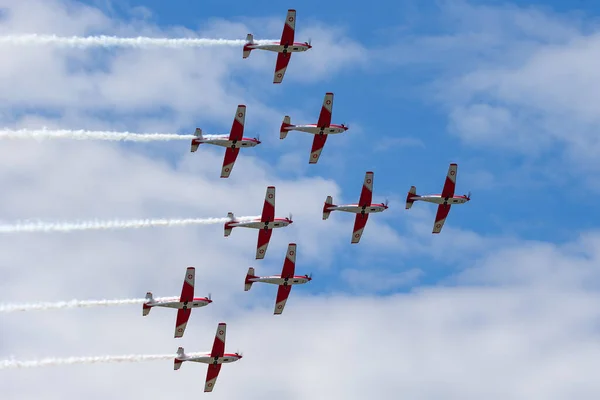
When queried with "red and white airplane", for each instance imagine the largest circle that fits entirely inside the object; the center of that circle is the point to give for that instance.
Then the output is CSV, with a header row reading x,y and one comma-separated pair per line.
x,y
285,280
233,142
321,129
184,305
284,48
266,223
362,209
214,359
445,200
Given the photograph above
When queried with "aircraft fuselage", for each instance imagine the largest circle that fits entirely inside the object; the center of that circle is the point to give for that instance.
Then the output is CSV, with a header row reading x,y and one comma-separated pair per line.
x,y
438,199
258,224
197,302
355,208
316,130
279,48
207,359
278,280
225,142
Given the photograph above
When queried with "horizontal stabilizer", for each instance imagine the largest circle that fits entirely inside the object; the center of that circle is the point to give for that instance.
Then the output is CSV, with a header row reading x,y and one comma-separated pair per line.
x,y
248,283
145,307
410,197
327,207
283,131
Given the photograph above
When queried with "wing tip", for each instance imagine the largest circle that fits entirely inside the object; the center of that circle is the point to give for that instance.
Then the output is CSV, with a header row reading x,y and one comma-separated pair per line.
x,y
329,93
453,164
222,324
270,187
369,173
291,244
291,10
191,268
241,106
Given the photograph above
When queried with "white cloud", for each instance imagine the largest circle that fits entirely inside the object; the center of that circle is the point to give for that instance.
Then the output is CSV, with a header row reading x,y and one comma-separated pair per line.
x,y
439,341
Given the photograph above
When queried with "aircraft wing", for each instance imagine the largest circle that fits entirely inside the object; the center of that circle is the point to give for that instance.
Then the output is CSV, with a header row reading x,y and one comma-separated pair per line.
x,y
229,161
283,59
187,292
282,295
218,350
211,376
237,129
359,226
187,295
366,195
181,322
268,212
440,217
325,115
450,183
287,36
264,235
317,148
289,265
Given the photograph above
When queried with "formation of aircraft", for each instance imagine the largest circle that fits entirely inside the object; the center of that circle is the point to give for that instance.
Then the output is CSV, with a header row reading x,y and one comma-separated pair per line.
x,y
184,304
233,142
265,224
214,359
321,129
362,209
445,200
285,280
284,48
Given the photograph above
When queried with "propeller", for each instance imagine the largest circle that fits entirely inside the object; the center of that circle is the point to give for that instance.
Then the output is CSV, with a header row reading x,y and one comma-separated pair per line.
x,y
468,196
290,217
239,354
257,138
309,41
209,297
309,276
386,202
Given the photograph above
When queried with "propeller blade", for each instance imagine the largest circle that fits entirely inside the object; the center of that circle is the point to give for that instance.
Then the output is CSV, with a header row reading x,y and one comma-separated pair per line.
x,y
209,297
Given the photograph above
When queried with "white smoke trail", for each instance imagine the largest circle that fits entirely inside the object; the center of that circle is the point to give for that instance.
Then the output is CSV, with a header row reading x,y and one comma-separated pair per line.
x,y
113,41
68,304
41,134
46,362
109,225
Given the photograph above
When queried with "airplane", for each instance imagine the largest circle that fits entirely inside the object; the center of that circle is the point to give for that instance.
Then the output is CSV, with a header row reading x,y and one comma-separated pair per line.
x,y
284,48
285,280
362,209
266,223
445,200
214,359
321,129
184,305
233,142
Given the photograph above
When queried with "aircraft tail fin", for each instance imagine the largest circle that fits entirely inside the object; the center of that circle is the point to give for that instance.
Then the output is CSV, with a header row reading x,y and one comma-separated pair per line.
x,y
196,143
228,227
247,48
145,307
248,283
327,207
410,197
177,363
283,131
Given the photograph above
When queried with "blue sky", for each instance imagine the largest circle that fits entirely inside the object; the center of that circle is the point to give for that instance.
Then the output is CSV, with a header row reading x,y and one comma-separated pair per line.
x,y
506,90
398,102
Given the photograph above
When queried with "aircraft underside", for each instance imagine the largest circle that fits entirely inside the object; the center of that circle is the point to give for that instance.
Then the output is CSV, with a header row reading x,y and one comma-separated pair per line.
x,y
315,130
441,200
357,209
